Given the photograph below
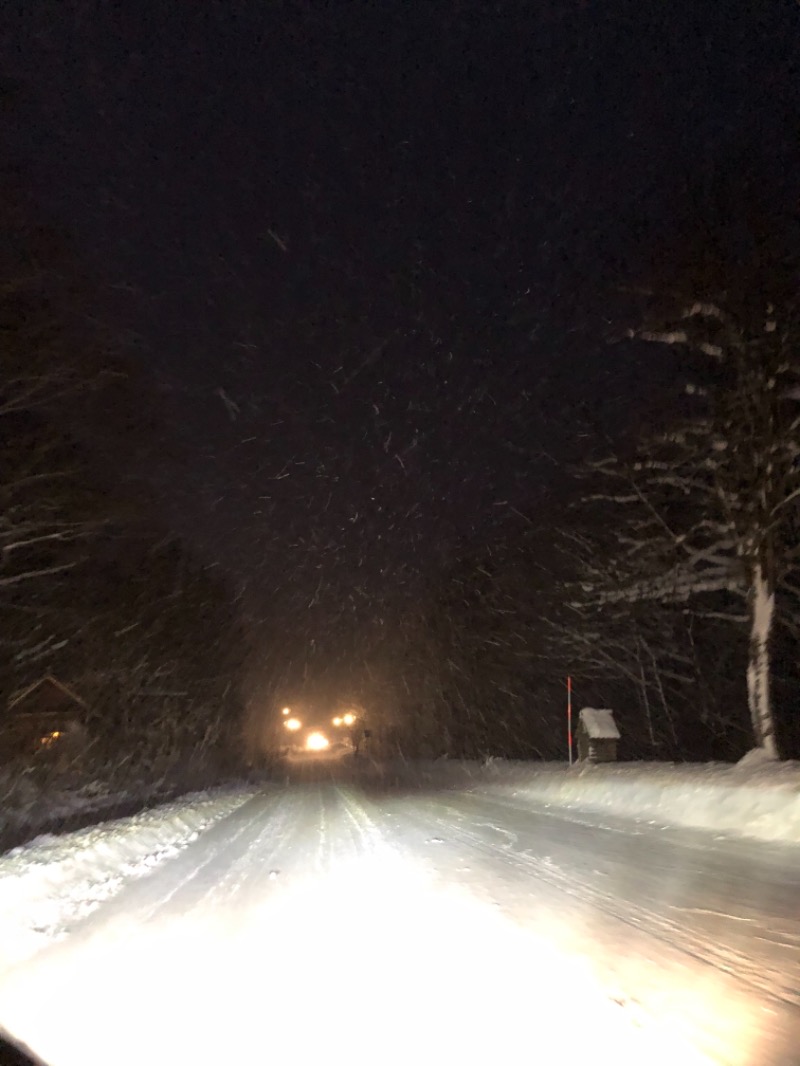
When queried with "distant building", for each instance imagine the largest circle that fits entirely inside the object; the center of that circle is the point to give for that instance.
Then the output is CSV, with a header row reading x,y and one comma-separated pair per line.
x,y
47,717
598,736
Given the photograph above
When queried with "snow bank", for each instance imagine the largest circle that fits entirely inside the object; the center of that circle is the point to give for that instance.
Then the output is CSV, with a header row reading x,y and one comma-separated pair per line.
x,y
29,808
52,882
756,798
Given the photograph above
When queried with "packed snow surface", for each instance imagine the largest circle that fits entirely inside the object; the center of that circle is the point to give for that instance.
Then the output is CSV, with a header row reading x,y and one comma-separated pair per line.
x,y
425,913
53,882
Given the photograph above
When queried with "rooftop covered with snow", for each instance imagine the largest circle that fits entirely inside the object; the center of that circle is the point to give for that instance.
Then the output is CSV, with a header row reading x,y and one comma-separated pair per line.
x,y
599,723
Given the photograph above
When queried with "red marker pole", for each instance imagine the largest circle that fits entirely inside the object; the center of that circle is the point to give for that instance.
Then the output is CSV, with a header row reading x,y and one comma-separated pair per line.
x,y
569,717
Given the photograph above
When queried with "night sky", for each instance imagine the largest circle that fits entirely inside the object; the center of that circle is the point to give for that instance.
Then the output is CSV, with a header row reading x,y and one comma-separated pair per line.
x,y
370,253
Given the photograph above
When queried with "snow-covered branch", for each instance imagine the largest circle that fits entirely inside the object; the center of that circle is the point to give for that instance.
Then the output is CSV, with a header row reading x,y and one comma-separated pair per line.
x,y
708,508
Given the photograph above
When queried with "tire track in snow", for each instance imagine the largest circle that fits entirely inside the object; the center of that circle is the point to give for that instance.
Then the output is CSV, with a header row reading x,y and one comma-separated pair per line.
x,y
756,971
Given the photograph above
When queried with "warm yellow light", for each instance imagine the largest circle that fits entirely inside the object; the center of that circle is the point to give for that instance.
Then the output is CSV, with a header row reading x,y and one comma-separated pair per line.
x,y
317,742
348,718
337,721
293,724
286,710
46,741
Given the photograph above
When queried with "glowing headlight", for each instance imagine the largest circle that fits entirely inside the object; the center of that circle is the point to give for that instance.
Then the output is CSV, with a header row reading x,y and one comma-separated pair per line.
x,y
317,742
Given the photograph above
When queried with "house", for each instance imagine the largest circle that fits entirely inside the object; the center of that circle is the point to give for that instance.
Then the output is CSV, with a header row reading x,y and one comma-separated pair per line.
x,y
46,717
598,736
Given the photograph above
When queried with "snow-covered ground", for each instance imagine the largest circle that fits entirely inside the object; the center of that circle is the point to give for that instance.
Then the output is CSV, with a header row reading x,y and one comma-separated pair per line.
x,y
51,883
29,808
757,798
429,913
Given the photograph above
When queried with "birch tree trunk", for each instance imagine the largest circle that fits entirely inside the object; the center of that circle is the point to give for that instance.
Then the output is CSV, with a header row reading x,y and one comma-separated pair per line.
x,y
762,609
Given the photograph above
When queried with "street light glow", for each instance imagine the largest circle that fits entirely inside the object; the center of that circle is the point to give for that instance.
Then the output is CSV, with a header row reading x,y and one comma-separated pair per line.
x,y
348,718
286,711
293,724
337,721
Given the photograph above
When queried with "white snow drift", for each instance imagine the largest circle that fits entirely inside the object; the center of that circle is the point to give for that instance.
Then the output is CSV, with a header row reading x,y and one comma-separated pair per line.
x,y
758,798
51,883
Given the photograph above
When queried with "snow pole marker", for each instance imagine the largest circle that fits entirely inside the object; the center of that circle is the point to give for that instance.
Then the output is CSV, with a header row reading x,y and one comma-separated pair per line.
x,y
569,717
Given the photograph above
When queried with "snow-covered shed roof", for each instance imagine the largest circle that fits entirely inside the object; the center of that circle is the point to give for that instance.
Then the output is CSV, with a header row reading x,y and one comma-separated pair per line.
x,y
46,694
600,724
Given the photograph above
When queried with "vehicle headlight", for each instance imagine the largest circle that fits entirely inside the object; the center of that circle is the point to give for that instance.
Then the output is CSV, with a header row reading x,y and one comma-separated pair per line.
x,y
317,742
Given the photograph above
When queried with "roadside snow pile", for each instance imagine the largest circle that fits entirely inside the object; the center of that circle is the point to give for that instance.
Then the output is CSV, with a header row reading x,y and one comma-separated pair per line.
x,y
31,806
52,882
761,802
757,798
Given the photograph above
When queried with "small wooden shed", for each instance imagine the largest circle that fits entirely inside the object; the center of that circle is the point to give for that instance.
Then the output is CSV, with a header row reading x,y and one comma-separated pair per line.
x,y
598,735
46,717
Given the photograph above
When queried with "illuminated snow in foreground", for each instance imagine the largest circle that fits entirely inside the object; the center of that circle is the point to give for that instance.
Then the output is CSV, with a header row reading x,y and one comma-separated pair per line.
x,y
48,885
312,924
370,961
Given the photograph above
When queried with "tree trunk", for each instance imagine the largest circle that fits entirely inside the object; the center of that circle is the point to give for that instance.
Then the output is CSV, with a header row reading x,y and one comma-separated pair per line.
x,y
762,607
646,702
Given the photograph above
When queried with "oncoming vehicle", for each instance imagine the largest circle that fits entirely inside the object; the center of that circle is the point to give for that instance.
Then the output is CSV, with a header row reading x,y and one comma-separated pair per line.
x,y
316,743
305,738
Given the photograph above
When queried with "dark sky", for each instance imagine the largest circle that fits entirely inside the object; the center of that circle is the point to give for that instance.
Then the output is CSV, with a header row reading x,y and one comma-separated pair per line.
x,y
368,251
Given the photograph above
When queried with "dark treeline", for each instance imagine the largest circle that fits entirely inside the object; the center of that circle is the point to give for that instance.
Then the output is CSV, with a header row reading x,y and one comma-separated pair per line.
x,y
664,579
662,576
93,591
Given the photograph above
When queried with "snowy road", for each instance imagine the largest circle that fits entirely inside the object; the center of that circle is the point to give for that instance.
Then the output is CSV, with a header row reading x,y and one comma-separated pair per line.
x,y
362,924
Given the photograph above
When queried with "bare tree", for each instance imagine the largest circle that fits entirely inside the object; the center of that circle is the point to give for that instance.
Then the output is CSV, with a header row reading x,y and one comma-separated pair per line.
x,y
702,512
